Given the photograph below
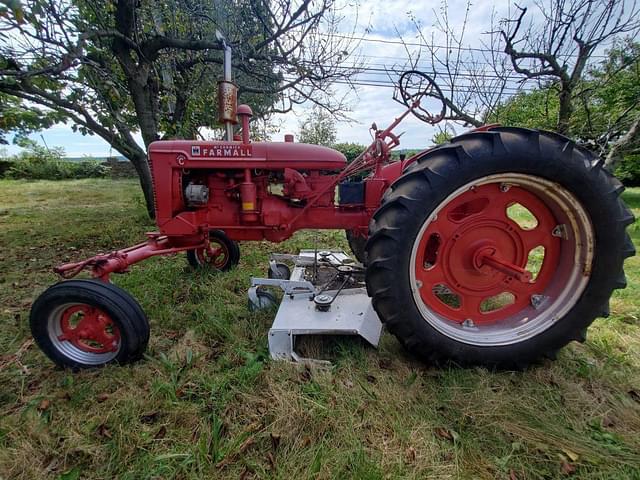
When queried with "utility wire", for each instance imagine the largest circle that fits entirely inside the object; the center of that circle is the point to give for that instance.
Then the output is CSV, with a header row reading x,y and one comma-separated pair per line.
x,y
419,44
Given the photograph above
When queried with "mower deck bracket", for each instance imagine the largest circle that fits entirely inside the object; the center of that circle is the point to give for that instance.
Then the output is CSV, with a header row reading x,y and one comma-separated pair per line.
x,y
349,313
289,287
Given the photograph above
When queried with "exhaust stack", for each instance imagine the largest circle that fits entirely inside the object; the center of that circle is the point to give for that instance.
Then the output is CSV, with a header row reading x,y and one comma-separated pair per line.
x,y
227,93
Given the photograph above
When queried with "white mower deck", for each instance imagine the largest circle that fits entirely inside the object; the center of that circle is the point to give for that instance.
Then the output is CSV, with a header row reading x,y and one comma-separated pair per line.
x,y
324,295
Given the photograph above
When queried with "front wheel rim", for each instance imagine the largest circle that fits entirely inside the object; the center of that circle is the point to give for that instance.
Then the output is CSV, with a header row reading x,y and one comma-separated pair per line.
x,y
216,255
84,333
469,252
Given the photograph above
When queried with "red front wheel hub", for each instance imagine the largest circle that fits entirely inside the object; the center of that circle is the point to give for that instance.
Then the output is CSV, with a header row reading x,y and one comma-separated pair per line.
x,y
215,255
89,329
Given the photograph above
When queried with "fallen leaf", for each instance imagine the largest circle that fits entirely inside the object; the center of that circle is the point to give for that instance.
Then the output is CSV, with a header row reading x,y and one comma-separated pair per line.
x,y
371,379
572,455
44,404
102,397
275,441
446,434
149,417
635,395
161,433
385,363
512,475
246,444
245,474
271,460
567,468
411,454
103,431
608,421
305,375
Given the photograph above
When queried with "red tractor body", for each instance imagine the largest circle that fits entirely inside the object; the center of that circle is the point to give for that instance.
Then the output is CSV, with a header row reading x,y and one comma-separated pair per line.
x,y
256,191
253,191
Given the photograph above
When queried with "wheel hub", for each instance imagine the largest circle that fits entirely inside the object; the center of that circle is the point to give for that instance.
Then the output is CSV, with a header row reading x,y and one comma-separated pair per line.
x,y
89,329
215,254
464,254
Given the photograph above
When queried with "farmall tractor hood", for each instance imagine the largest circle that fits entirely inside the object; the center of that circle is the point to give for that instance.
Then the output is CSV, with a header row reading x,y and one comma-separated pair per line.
x,y
252,155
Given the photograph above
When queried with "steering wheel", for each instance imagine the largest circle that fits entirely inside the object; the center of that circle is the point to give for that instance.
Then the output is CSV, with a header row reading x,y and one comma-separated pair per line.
x,y
415,86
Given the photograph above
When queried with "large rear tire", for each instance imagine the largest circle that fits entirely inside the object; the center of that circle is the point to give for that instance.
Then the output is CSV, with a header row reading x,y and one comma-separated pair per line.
x,y
456,275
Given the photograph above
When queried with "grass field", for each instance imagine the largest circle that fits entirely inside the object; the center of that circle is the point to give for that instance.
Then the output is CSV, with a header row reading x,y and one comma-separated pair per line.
x,y
208,403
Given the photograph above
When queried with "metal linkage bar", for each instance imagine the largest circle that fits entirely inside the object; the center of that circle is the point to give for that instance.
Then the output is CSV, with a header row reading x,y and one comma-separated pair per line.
x,y
119,261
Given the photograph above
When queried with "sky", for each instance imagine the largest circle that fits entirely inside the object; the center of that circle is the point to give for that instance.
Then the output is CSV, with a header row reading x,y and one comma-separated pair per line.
x,y
378,23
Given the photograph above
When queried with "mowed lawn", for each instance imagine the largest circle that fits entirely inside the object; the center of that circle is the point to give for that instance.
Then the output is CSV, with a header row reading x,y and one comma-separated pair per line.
x,y
207,402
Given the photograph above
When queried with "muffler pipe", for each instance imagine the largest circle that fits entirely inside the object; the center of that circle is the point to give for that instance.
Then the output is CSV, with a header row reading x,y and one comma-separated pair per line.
x,y
227,93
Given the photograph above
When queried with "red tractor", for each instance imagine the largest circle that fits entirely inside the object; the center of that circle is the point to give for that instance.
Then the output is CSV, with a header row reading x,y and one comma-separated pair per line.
x,y
435,232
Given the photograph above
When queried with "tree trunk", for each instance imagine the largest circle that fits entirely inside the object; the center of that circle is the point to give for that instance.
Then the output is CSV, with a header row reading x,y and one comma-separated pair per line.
x,y
564,111
141,165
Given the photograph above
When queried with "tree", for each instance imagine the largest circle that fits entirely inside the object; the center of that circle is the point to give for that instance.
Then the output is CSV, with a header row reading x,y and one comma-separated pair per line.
x,y
548,46
607,114
473,81
607,111
559,47
537,108
112,67
443,136
349,150
318,127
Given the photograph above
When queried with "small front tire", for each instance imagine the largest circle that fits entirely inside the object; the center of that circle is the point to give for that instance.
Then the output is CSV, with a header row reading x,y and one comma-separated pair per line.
x,y
82,324
260,300
222,255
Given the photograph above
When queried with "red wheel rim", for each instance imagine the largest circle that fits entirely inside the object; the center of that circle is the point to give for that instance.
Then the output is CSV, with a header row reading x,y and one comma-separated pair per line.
x,y
478,230
471,264
89,329
215,255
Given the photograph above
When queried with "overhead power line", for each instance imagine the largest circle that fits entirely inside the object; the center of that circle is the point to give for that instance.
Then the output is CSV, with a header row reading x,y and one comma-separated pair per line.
x,y
424,45
390,84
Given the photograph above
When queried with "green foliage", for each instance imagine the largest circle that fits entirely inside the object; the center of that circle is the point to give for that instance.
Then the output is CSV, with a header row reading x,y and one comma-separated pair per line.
x,y
534,109
40,163
18,118
404,153
318,128
349,150
441,137
609,98
628,170
606,103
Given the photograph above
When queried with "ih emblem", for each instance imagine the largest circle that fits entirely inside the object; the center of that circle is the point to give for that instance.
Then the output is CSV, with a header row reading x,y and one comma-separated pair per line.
x,y
195,150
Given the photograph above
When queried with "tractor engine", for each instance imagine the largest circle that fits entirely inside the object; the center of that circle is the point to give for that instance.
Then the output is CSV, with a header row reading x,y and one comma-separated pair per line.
x,y
251,190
